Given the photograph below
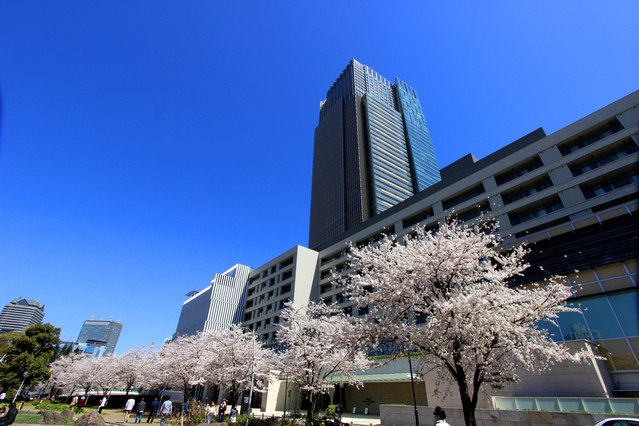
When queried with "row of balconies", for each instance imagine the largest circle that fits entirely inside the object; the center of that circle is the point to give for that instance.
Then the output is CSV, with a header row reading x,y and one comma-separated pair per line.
x,y
272,270
510,188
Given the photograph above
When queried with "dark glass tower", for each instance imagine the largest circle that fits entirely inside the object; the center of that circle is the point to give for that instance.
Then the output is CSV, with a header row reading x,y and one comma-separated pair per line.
x,y
372,151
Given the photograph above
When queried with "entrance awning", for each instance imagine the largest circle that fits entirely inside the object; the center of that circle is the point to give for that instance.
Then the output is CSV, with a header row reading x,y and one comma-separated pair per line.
x,y
375,378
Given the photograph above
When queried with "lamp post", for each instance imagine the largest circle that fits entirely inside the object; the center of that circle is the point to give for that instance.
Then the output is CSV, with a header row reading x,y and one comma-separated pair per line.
x,y
22,384
248,411
412,383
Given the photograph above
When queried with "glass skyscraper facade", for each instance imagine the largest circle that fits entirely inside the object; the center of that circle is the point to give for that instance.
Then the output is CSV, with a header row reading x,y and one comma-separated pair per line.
x,y
372,151
98,338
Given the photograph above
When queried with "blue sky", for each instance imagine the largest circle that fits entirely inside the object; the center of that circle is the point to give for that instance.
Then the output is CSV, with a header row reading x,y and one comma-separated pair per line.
x,y
147,145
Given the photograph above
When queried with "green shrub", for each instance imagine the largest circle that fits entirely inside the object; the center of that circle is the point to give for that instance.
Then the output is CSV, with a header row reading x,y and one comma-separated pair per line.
x,y
55,406
27,418
197,414
330,410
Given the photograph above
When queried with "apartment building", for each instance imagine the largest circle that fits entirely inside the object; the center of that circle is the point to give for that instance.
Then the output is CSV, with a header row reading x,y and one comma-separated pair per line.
x,y
572,196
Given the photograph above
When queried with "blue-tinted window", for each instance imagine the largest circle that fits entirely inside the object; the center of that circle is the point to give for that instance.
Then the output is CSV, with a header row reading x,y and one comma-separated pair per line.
x,y
626,306
602,322
553,331
573,326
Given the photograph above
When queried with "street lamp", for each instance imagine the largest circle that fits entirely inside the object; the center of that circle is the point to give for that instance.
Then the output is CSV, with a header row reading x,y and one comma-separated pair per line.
x,y
412,383
248,411
22,384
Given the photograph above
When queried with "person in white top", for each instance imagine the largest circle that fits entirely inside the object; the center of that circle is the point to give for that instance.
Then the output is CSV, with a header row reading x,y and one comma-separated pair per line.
x,y
211,411
440,417
127,409
166,409
102,404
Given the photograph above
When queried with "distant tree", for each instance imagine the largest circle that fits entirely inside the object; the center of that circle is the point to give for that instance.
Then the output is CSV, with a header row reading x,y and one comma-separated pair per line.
x,y
128,368
319,345
178,365
91,375
446,294
228,358
65,374
107,377
153,375
28,355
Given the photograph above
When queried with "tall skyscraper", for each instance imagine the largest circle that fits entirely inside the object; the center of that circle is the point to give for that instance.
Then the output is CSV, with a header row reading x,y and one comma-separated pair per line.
x,y
20,314
372,151
98,338
217,306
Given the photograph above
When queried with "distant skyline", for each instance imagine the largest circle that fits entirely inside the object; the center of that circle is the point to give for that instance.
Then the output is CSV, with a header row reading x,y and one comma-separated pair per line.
x,y
146,146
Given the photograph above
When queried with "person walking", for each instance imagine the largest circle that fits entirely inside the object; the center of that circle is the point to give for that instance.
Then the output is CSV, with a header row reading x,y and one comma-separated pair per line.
x,y
74,402
153,411
140,411
80,405
165,411
337,415
233,415
440,417
222,410
212,412
102,404
128,407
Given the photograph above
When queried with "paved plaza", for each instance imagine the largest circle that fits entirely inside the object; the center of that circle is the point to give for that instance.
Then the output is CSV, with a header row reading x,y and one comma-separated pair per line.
x,y
116,417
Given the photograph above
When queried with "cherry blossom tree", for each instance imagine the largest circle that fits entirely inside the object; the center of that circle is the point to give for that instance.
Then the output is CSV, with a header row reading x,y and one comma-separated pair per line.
x,y
178,364
446,294
152,374
106,377
319,345
64,374
87,370
129,367
229,359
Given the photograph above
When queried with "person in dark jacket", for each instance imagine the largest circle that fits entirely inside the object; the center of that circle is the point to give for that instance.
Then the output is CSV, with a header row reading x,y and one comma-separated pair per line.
x,y
10,416
153,411
140,411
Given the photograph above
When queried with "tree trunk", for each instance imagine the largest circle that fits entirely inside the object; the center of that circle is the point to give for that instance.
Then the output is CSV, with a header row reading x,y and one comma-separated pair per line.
x,y
468,403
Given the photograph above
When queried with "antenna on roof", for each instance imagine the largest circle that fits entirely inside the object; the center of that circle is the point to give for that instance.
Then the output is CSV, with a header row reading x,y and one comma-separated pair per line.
x,y
91,316
39,298
119,320
111,317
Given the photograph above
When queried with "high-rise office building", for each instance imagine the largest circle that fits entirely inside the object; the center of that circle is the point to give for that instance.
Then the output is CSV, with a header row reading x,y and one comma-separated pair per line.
x,y
372,151
217,306
98,338
20,314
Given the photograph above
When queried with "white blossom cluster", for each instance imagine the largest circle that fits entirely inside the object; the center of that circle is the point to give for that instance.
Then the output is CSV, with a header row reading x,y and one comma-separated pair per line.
x,y
225,358
445,294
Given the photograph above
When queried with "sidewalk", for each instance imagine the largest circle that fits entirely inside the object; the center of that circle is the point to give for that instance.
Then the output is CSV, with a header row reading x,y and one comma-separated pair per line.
x,y
115,416
347,418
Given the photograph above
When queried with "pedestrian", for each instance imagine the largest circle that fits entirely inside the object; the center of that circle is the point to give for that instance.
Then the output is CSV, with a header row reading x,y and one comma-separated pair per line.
x,y
211,411
153,411
102,404
128,407
10,417
337,415
440,417
74,402
80,405
222,410
165,411
233,416
185,408
140,411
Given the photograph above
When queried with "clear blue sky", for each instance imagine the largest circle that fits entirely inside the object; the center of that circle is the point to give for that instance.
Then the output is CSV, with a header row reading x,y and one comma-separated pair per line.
x,y
147,145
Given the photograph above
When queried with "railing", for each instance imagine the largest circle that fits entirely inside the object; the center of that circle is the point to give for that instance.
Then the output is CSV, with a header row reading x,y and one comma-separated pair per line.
x,y
588,405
